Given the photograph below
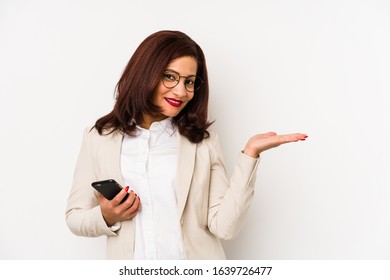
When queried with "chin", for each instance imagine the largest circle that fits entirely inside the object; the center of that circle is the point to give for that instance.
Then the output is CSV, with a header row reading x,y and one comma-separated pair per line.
x,y
171,114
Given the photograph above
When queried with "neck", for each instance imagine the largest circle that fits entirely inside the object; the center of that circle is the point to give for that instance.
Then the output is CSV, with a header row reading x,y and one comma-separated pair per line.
x,y
148,120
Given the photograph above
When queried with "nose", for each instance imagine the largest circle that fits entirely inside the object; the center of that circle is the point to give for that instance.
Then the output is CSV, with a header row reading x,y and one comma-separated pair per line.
x,y
180,89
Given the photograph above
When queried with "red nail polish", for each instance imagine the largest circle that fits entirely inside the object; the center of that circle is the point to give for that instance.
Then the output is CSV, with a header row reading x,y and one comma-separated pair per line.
x,y
127,188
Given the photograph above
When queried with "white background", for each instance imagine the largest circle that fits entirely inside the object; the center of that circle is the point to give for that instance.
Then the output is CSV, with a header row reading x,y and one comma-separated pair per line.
x,y
317,67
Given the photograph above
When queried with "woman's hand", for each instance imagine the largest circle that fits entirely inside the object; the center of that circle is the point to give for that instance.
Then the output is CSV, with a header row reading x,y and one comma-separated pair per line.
x,y
262,142
114,211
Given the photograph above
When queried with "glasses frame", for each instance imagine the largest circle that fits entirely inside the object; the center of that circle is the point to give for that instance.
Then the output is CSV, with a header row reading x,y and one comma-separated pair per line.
x,y
197,78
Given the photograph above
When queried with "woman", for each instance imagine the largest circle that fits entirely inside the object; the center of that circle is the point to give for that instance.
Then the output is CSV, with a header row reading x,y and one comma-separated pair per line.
x,y
155,141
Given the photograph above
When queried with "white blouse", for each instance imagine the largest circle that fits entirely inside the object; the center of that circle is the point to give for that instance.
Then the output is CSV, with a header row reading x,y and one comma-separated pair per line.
x,y
148,165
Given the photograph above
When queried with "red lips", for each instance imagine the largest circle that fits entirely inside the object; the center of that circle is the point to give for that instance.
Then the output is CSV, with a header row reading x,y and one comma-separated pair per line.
x,y
174,102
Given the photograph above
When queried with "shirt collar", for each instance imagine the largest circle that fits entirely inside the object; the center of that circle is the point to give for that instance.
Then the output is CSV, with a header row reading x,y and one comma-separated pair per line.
x,y
165,125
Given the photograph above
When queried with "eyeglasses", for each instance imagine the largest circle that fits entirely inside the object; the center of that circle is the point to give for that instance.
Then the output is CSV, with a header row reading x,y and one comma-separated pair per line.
x,y
171,79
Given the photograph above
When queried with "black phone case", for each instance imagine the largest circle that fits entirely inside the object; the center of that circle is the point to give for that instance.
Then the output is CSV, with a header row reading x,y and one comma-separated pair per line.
x,y
108,188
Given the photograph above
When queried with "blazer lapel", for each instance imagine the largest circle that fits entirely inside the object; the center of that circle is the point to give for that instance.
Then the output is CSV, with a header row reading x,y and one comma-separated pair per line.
x,y
185,170
113,154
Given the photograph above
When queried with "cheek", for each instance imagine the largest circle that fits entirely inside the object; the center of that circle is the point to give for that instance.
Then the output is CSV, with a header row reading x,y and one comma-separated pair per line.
x,y
190,95
161,88
159,93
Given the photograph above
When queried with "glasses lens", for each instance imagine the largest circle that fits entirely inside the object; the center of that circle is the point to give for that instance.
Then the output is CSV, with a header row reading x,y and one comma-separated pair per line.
x,y
191,83
170,79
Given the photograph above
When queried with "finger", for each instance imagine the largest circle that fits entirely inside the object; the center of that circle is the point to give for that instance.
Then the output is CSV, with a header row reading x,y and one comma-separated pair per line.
x,y
294,137
300,136
120,196
265,135
129,201
134,209
102,199
135,206
132,215
271,133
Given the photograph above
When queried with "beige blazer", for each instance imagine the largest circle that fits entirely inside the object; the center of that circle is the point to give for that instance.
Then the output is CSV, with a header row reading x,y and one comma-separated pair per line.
x,y
210,207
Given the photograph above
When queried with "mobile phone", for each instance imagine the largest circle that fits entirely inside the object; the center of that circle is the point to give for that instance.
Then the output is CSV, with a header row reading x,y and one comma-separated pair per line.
x,y
109,188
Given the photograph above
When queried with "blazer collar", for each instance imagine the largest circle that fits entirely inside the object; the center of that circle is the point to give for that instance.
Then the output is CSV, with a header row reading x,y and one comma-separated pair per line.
x,y
185,169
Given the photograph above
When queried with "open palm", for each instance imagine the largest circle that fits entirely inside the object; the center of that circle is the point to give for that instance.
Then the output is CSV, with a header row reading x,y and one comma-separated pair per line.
x,y
262,142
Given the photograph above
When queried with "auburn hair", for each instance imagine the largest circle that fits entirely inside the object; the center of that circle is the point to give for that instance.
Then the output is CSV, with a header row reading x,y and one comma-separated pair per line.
x,y
136,87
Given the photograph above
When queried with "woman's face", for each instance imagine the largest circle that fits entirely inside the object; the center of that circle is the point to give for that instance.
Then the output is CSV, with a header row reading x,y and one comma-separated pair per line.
x,y
172,100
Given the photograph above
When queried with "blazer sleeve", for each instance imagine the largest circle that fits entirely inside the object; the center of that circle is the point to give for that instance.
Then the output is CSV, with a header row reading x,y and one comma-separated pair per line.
x,y
83,215
229,201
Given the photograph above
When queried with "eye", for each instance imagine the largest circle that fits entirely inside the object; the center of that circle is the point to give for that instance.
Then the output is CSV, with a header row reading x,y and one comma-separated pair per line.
x,y
190,81
169,77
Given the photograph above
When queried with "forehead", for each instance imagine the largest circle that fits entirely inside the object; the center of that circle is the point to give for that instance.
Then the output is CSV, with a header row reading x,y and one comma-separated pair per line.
x,y
185,65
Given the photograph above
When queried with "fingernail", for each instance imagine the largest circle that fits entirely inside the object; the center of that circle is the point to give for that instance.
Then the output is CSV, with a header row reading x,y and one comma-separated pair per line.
x,y
127,188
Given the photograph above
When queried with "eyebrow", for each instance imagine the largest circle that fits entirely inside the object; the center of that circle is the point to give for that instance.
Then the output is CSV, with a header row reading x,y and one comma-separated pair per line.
x,y
171,70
